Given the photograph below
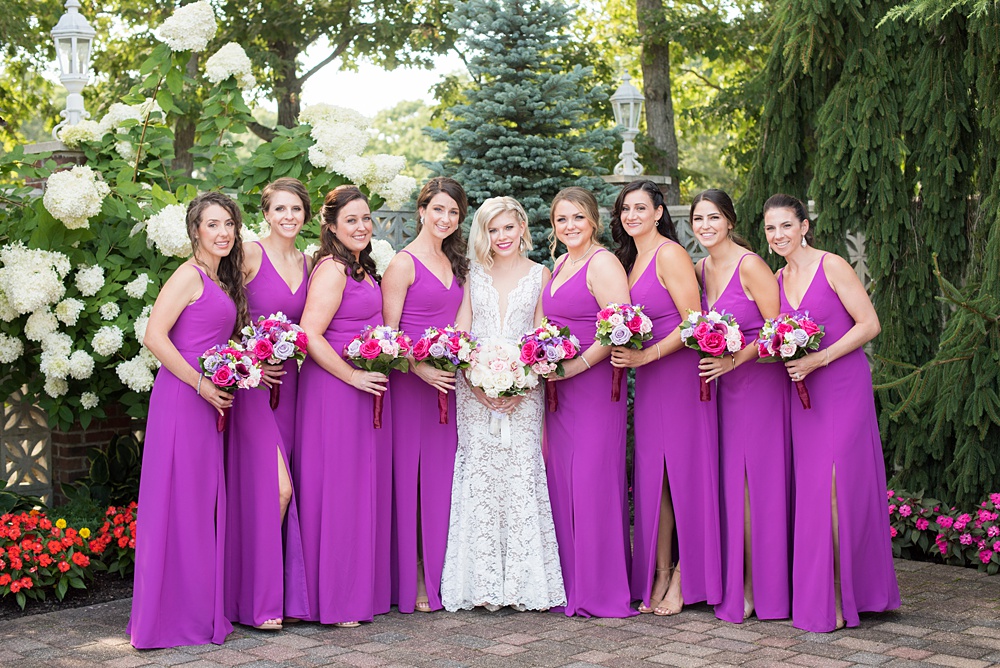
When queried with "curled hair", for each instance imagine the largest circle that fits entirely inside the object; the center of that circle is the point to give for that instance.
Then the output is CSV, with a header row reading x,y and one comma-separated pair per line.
x,y
454,245
625,249
289,185
330,245
230,272
480,236
584,200
724,203
782,201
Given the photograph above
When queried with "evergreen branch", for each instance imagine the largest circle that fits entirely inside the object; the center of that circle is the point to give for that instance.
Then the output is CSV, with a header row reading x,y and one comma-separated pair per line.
x,y
145,124
961,303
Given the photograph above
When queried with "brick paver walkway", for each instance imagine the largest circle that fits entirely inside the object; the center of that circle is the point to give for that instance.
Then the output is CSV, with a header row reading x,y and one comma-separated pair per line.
x,y
950,617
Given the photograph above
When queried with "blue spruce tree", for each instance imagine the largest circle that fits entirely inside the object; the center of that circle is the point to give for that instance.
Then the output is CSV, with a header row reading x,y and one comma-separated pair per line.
x,y
526,126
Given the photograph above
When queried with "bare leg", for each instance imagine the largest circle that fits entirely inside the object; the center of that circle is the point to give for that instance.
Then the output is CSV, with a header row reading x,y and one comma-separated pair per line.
x,y
747,555
671,602
841,623
284,486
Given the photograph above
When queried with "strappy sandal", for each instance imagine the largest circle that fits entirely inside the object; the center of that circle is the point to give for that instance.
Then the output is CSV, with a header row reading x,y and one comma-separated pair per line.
x,y
653,604
660,610
347,625
270,625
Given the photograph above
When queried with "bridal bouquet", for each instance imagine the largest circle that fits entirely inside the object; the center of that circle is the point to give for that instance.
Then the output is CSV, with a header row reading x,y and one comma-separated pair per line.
x,y
275,339
448,349
544,351
381,349
712,334
622,325
498,371
786,338
230,368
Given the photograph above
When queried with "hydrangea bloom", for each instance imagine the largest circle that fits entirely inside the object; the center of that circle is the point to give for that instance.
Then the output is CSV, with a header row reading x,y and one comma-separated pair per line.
x,y
109,311
74,196
56,387
135,374
40,324
89,280
126,150
140,324
54,365
59,343
322,114
68,310
335,142
30,279
230,61
167,229
11,348
136,289
108,340
311,249
81,133
382,253
149,359
88,401
190,28
119,112
81,365
397,192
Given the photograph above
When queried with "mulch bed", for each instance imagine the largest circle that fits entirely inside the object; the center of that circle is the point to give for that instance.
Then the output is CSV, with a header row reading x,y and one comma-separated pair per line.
x,y
102,589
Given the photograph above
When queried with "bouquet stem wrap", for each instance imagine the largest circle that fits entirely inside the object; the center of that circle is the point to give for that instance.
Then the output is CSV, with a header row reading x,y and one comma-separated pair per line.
x,y
551,396
706,390
275,396
220,423
377,410
442,407
800,387
616,383
500,426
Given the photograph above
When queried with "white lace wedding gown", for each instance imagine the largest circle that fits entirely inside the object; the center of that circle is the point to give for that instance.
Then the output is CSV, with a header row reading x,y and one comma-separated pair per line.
x,y
501,541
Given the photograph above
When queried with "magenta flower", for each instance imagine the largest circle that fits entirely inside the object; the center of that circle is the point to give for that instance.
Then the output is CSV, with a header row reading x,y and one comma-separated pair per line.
x,y
892,508
985,556
905,510
995,499
944,521
892,531
942,543
889,494
966,539
922,523
996,546
960,525
993,531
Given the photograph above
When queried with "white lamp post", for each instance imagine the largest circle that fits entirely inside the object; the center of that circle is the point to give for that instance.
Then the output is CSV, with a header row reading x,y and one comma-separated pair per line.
x,y
627,104
73,37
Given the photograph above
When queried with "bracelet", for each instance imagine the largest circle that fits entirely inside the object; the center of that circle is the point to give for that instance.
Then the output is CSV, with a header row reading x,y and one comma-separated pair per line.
x,y
585,361
734,360
827,357
198,389
657,351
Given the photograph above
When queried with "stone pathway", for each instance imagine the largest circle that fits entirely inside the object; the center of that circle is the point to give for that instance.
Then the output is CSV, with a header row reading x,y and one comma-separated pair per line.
x,y
950,617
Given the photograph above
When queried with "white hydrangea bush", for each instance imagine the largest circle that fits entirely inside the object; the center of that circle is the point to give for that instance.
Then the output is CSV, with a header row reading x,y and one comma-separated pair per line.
x,y
230,61
190,28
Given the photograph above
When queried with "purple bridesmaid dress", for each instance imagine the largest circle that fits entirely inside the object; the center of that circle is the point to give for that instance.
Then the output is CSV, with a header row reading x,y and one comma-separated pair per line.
x,y
585,466
180,538
675,432
838,434
754,455
423,450
264,573
342,472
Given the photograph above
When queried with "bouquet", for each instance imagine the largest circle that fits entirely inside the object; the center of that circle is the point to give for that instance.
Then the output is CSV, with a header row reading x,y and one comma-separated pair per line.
x,y
379,348
448,349
498,371
275,339
622,325
789,337
712,334
544,351
230,368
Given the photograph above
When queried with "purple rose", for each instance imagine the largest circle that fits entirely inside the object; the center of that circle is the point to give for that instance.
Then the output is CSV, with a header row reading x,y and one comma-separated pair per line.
x,y
620,335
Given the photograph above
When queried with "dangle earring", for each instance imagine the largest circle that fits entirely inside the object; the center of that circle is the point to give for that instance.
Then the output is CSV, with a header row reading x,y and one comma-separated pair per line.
x,y
520,245
803,242
770,251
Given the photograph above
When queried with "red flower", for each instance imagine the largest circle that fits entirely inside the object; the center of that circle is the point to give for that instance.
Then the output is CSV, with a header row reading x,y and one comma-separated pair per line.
x,y
15,586
63,566
123,541
370,349
44,561
263,349
80,559
4,579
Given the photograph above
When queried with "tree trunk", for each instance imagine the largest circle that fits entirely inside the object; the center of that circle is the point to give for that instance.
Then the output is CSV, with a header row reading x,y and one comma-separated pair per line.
x,y
288,87
184,131
659,103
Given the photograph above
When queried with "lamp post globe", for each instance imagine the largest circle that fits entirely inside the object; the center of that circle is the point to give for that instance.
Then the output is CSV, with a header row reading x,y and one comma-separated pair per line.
x,y
73,38
627,104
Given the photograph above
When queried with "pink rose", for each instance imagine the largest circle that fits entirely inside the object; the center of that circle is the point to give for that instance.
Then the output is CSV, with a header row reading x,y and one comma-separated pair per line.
x,y
568,348
405,345
701,330
714,344
263,349
371,349
223,377
301,341
453,343
529,352
783,328
635,323
605,313
268,324
420,349
809,327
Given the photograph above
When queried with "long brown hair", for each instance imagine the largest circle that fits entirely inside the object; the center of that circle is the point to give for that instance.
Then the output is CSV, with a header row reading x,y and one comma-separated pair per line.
x,y
625,249
724,203
330,245
230,272
454,246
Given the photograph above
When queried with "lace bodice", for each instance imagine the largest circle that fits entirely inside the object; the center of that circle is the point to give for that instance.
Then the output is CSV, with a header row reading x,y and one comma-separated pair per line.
x,y
520,316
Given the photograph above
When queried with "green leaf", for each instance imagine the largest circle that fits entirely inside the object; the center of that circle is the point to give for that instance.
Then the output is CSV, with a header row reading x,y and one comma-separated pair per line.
x,y
61,587
287,151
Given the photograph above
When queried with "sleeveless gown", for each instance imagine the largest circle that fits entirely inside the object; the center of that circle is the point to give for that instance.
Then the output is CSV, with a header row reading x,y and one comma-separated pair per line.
x,y
839,432
585,463
180,537
501,541
342,473
423,450
754,455
264,575
675,432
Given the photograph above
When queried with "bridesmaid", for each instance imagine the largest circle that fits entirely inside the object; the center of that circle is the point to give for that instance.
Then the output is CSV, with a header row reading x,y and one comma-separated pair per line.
x,y
676,467
754,445
841,557
342,467
423,288
180,549
586,436
264,572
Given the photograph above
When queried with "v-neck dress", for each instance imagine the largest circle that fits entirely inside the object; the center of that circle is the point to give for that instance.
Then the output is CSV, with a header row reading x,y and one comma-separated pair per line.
x,y
677,435
264,571
838,434
585,464
423,450
342,472
755,457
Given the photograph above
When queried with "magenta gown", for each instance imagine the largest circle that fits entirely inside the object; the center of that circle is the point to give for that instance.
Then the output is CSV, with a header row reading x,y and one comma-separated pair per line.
x,y
259,546
180,537
755,451
423,450
675,432
342,472
839,432
585,466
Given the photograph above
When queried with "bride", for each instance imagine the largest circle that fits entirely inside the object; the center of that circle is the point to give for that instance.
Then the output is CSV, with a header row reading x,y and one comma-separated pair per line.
x,y
501,541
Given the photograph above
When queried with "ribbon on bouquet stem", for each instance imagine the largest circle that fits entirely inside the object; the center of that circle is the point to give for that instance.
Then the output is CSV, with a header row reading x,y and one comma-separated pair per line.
x,y
500,426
